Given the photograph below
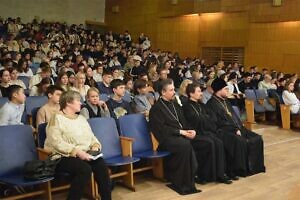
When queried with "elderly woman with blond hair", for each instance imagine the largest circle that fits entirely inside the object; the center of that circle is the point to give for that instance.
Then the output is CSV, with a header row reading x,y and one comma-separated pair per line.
x,y
69,137
80,85
183,97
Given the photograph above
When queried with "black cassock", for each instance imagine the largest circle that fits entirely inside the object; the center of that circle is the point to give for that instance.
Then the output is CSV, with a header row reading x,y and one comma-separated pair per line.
x,y
245,153
166,119
208,147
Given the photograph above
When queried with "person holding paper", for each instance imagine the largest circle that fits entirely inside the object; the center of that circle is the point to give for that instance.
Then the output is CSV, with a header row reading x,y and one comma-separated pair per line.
x,y
70,137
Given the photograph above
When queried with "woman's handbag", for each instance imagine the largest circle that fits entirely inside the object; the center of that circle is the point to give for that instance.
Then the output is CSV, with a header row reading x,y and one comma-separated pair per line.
x,y
40,169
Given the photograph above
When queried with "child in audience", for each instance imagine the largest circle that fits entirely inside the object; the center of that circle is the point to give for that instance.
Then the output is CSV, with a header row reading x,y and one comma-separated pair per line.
x,y
104,86
12,111
41,88
89,77
93,106
98,71
51,107
14,74
117,106
141,102
5,82
63,81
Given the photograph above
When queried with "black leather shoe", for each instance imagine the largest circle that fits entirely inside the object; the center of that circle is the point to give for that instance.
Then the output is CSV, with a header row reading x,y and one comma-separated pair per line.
x,y
225,180
234,178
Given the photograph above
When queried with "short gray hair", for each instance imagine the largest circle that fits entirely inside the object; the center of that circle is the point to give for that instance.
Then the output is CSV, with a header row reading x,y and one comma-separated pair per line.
x,y
68,97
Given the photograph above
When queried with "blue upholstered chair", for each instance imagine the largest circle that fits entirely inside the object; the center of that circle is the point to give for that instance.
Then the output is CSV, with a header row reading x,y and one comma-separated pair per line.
x,y
25,80
253,105
16,147
116,150
104,97
34,112
43,154
135,126
3,100
262,95
32,103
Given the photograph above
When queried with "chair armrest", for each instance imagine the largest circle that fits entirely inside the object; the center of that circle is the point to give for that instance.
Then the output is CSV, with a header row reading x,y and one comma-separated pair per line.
x,y
42,153
285,112
272,101
261,101
250,110
126,145
154,142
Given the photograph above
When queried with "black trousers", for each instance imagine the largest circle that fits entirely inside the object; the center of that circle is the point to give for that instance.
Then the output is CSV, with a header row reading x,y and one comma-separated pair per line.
x,y
80,172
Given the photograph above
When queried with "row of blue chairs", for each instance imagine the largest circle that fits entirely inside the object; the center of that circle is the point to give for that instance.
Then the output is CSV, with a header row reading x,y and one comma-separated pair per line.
x,y
258,102
17,146
133,129
123,151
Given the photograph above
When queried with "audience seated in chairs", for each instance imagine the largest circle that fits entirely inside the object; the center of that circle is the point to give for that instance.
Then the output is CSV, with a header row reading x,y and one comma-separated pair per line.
x,y
89,77
141,102
236,97
14,74
5,82
40,89
12,111
117,106
63,81
80,85
290,98
44,73
94,106
69,136
98,71
183,97
51,107
104,86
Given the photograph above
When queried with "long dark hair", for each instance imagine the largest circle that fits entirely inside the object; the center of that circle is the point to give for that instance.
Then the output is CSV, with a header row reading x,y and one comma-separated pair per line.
x,y
44,81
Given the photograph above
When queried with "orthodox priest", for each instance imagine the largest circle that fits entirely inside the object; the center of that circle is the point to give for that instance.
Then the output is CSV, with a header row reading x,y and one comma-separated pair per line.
x,y
208,147
245,148
170,129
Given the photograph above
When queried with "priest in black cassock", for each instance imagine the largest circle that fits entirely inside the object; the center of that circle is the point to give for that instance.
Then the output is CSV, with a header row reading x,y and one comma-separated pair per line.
x,y
170,129
245,149
208,147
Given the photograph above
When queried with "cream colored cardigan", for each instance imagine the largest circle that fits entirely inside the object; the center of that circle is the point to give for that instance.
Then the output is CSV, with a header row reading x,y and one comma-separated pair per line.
x,y
65,135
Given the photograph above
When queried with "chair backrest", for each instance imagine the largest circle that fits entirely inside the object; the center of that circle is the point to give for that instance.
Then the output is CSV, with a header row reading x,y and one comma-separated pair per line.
x,y
251,95
104,97
41,135
3,100
16,147
33,102
106,131
25,80
261,94
34,112
127,97
237,111
135,126
34,70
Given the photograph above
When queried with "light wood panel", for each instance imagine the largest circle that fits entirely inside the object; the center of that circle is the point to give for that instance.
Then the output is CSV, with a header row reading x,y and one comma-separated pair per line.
x,y
253,24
